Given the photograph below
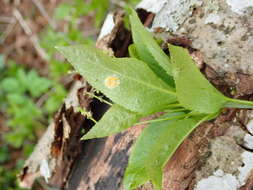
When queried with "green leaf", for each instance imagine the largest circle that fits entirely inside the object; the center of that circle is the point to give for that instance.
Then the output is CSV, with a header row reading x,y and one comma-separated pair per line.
x,y
126,81
36,84
101,8
194,91
16,98
10,85
55,99
154,147
133,51
62,11
149,51
58,69
21,76
133,2
115,120
15,138
4,154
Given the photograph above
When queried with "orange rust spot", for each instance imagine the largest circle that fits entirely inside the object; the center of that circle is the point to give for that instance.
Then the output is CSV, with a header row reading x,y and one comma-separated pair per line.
x,y
112,82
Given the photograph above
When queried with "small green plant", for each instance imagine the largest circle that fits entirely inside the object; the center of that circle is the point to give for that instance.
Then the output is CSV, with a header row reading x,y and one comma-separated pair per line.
x,y
70,13
19,90
145,84
77,8
26,102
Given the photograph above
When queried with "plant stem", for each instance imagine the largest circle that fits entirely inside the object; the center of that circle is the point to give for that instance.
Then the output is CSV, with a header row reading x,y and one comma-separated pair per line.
x,y
92,119
99,98
87,114
164,119
235,103
175,105
176,110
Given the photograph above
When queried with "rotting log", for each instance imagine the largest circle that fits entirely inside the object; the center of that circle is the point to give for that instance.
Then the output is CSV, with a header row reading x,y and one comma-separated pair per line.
x,y
217,155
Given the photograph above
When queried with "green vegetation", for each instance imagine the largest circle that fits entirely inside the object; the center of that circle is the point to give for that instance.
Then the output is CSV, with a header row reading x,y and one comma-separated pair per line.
x,y
27,100
147,83
18,89
74,10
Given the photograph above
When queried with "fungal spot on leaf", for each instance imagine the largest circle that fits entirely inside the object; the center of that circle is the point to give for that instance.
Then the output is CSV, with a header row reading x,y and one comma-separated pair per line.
x,y
112,82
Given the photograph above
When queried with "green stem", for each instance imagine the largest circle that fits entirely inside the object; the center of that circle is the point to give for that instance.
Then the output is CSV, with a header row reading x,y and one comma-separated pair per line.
x,y
175,105
164,119
176,110
99,98
87,114
235,103
92,119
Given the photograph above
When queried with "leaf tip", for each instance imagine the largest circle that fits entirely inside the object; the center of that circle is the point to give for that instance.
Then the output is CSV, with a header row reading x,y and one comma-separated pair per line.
x,y
89,136
84,138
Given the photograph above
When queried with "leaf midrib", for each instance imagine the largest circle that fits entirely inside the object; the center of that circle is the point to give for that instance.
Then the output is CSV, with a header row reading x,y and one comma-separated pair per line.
x,y
145,84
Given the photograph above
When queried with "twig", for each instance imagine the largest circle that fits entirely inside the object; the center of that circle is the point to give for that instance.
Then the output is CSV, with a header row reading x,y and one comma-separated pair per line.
x,y
34,39
5,19
42,10
8,30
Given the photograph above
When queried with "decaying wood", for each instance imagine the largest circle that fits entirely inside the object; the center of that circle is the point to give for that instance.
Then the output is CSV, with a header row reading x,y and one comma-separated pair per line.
x,y
216,145
103,162
59,146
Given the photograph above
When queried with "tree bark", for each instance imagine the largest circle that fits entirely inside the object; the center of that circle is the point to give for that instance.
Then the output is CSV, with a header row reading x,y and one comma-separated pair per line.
x,y
217,155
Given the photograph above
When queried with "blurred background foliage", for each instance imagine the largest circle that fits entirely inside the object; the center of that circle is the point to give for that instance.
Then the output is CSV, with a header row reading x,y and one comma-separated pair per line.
x,y
33,77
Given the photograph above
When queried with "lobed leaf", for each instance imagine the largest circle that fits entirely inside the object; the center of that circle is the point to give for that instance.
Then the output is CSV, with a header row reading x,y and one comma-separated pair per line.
x,y
37,85
115,120
154,147
149,51
194,91
126,81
